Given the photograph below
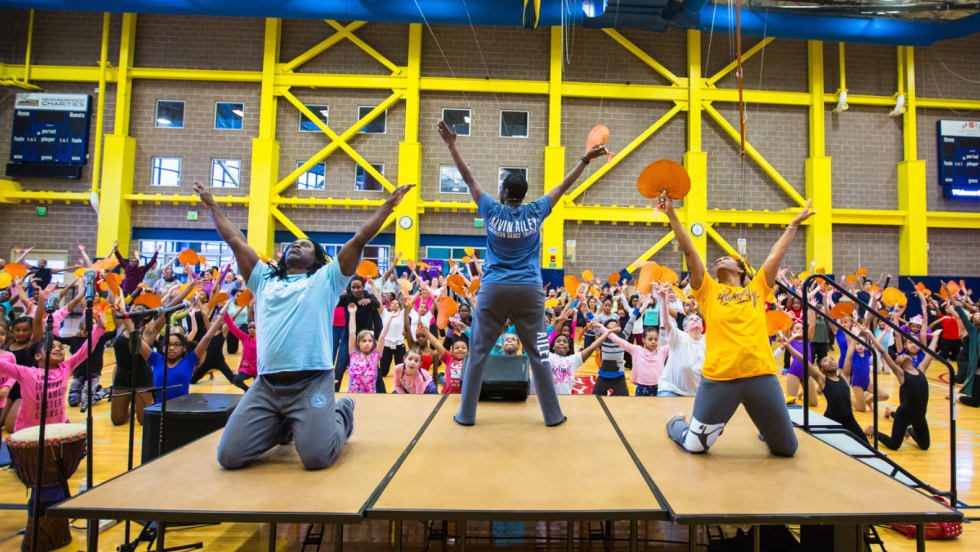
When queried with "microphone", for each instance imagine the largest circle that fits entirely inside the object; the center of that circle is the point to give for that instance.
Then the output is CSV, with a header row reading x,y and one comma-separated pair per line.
x,y
89,276
51,304
153,313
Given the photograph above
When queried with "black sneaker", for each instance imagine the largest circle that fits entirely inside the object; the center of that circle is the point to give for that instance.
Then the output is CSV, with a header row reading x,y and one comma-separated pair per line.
x,y
346,405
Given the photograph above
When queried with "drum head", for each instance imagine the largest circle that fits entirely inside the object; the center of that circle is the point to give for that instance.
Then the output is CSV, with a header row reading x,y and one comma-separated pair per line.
x,y
51,432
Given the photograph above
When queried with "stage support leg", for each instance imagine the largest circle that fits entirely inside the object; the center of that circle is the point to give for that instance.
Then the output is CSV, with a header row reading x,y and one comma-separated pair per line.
x,y
920,537
756,537
161,532
462,536
633,531
692,538
398,535
570,536
272,537
92,535
338,537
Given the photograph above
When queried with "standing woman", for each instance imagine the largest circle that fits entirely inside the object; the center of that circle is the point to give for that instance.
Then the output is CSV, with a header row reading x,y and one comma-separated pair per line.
x,y
739,367
970,392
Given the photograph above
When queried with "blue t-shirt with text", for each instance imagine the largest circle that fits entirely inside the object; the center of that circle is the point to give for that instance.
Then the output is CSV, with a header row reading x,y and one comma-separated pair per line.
x,y
513,241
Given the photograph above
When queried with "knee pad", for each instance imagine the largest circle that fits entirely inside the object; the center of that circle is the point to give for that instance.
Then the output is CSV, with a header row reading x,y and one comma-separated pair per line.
x,y
699,437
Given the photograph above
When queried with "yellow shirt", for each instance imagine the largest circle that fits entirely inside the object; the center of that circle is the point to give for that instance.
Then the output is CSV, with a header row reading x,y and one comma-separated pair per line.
x,y
735,329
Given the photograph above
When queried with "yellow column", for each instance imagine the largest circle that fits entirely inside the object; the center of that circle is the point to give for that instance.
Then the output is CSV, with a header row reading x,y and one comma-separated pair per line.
x,y
695,160
913,237
119,158
820,234
553,229
410,154
265,151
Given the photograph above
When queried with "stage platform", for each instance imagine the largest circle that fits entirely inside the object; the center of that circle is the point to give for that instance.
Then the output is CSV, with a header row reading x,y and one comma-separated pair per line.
x,y
409,460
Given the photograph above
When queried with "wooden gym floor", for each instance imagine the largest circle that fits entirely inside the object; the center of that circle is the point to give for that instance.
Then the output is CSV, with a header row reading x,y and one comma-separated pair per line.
x,y
111,445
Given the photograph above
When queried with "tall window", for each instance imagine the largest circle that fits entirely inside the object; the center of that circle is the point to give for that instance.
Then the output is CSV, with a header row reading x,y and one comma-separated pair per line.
x,y
170,114
225,173
229,115
364,182
311,179
458,117
377,125
514,124
322,112
165,172
450,181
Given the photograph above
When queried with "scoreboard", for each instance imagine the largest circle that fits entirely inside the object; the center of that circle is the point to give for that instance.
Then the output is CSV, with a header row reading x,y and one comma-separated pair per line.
x,y
50,128
959,159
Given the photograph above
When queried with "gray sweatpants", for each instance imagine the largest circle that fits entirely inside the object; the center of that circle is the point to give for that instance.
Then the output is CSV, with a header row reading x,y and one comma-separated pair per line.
x,y
271,411
716,403
525,306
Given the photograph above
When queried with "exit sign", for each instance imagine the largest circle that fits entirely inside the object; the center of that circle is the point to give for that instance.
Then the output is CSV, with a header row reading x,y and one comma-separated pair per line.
x,y
191,215
478,223
42,211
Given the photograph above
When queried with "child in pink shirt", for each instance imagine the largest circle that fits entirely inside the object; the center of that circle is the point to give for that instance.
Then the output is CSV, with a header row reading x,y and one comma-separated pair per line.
x,y
648,361
249,366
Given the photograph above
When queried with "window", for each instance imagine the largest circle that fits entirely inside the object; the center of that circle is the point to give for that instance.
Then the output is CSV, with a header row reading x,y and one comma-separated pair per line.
x,y
228,116
321,111
454,255
166,171
513,124
504,172
55,259
364,182
311,179
377,126
450,181
458,117
170,114
225,173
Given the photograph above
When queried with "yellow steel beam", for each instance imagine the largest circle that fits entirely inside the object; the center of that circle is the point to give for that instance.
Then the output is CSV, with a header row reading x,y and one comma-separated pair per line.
x,y
615,213
623,91
333,137
321,80
7,188
913,236
410,152
452,205
643,56
869,216
500,86
553,228
756,96
721,241
857,99
327,202
124,82
265,149
820,235
765,218
652,251
42,197
745,55
319,48
363,46
755,155
330,148
695,160
30,39
570,197
100,113
177,199
195,75
287,223
953,220
942,103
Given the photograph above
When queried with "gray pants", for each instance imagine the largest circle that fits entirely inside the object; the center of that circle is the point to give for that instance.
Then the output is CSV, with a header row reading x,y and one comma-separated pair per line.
x,y
525,306
271,411
716,403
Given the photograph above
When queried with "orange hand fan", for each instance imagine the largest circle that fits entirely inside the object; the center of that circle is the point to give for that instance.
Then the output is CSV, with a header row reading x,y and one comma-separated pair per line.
x,y
447,309
367,269
244,298
469,251
875,287
80,272
5,280
598,136
852,279
151,300
614,278
410,264
457,283
550,303
475,285
840,310
16,270
571,283
648,275
219,298
188,257
680,294
587,276
668,275
778,321
466,260
664,175
862,272
953,288
114,280
821,270
892,296
406,286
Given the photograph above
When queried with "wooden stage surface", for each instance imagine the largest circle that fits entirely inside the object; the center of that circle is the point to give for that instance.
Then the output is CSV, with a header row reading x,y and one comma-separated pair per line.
x,y
409,460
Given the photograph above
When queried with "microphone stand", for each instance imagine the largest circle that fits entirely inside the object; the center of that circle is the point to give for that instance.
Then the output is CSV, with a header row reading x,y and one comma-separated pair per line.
x,y
36,510
135,344
92,525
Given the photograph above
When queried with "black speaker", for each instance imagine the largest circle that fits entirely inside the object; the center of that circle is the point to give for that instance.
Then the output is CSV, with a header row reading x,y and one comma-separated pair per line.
x,y
188,418
505,378
44,170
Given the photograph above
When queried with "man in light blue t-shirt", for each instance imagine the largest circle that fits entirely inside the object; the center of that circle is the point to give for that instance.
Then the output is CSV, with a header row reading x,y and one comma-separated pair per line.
x,y
293,395
511,282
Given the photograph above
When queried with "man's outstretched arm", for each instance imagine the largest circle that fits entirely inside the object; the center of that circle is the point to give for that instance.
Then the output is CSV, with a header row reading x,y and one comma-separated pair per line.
x,y
350,254
244,254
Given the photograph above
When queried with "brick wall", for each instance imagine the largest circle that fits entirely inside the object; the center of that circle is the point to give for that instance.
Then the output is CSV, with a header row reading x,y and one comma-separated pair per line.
x,y
950,252
448,223
596,57
388,39
870,69
168,215
322,219
64,227
872,247
60,38
190,42
509,52
866,146
758,243
605,248
198,142
781,65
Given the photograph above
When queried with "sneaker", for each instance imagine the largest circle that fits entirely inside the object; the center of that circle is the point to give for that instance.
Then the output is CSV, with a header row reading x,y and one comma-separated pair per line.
x,y
346,406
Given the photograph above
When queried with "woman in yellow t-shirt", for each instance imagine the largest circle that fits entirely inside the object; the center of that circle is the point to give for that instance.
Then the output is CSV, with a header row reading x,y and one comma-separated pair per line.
x,y
738,367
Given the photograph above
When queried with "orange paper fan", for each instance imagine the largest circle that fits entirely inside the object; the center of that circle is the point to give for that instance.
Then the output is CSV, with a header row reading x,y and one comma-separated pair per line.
x,y
469,251
840,310
244,298
680,294
551,303
466,260
614,278
219,298
668,275
821,270
474,285
571,284
113,280
151,300
953,288
875,287
778,321
648,274
16,270
664,175
852,278
587,276
188,257
457,283
406,286
447,309
892,296
598,136
410,264
862,272
884,312
367,269
202,260
80,272
5,280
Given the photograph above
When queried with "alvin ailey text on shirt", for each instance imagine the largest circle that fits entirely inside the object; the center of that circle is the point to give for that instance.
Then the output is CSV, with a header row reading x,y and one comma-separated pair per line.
x,y
513,229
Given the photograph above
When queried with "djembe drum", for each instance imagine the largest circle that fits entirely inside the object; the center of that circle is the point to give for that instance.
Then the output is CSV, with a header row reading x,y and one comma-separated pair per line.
x,y
64,448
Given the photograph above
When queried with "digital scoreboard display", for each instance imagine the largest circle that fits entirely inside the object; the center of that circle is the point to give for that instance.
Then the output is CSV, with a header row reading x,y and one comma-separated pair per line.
x,y
959,159
50,128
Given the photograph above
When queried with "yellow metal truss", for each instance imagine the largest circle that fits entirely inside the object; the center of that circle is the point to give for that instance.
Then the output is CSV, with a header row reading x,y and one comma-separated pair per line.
x,y
693,93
